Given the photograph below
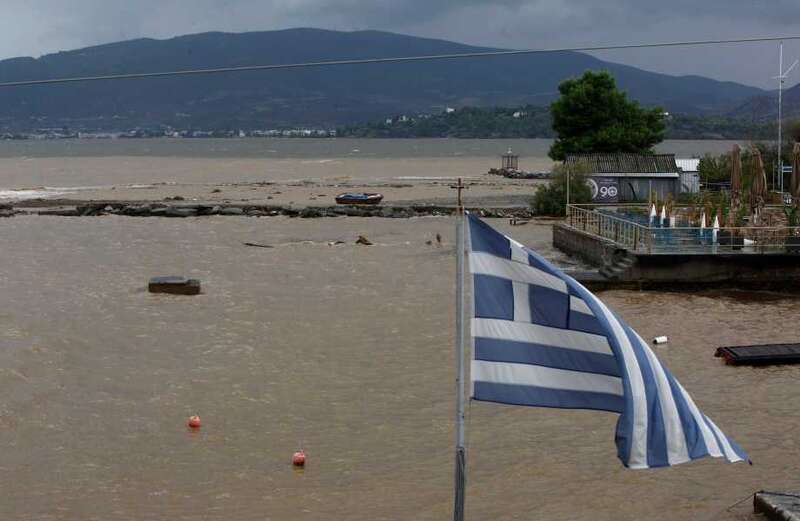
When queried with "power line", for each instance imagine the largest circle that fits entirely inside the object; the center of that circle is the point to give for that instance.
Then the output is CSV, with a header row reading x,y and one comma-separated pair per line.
x,y
433,57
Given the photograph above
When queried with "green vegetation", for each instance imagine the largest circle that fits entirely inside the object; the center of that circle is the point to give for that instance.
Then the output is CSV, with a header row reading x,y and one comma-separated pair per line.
x,y
499,123
536,122
469,122
792,214
593,116
685,126
551,198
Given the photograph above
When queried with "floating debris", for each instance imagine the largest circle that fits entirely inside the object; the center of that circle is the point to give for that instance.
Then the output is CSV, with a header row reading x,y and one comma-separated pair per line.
x,y
769,354
256,245
299,458
174,285
363,241
777,505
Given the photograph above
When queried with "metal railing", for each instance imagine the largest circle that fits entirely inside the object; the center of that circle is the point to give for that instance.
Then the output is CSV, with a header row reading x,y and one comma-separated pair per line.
x,y
625,233
644,237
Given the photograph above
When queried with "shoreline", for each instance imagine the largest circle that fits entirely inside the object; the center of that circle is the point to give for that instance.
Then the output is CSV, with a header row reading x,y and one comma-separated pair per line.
x,y
144,208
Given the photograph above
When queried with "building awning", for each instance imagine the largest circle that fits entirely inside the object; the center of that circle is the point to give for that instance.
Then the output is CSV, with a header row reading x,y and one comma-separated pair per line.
x,y
626,165
651,175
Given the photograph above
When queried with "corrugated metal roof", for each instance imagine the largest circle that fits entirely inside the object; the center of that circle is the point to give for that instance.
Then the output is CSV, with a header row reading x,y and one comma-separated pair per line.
x,y
688,165
609,164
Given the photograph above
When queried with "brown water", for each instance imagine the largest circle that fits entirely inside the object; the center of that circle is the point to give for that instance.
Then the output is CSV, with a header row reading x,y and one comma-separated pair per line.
x,y
93,163
345,351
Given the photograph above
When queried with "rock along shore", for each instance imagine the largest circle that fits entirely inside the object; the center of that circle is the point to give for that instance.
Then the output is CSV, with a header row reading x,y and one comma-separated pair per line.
x,y
71,208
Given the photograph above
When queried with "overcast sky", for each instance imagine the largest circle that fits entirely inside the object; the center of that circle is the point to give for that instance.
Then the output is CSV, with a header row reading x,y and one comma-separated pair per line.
x,y
35,27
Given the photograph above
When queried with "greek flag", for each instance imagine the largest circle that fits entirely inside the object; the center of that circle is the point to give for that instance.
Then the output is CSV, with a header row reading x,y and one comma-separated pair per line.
x,y
542,339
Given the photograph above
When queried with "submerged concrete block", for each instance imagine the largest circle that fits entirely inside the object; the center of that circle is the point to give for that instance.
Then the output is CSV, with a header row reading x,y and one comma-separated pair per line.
x,y
175,285
780,506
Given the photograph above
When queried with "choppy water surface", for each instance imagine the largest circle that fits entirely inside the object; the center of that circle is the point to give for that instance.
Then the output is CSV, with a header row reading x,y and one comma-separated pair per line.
x,y
345,351
314,148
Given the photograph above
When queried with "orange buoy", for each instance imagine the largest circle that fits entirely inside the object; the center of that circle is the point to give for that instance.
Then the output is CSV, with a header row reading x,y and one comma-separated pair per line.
x,y
299,458
194,422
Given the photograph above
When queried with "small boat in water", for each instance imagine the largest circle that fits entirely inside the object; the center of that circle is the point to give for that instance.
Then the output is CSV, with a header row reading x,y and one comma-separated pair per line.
x,y
359,198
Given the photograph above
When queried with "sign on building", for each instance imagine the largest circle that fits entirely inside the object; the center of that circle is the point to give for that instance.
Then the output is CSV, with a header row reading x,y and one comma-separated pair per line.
x,y
604,189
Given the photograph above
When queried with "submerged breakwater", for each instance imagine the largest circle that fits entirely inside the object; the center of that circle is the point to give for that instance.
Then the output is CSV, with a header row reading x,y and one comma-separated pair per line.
x,y
139,209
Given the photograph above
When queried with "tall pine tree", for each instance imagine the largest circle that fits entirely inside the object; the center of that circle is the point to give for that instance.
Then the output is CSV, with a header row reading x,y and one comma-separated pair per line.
x,y
592,116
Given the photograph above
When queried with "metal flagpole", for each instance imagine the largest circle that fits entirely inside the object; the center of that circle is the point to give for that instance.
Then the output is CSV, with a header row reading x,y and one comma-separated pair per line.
x,y
460,474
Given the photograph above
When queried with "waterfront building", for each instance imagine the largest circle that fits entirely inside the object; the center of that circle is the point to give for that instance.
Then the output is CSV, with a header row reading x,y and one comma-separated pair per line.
x,y
622,177
690,175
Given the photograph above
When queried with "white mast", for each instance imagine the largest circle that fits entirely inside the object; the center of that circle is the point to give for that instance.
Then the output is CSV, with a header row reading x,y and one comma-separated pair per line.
x,y
782,75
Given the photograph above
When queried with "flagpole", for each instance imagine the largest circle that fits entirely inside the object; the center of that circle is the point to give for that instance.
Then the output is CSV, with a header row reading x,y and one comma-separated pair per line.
x,y
460,463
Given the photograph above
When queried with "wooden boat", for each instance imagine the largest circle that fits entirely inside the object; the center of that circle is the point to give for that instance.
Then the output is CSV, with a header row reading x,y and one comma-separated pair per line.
x,y
359,198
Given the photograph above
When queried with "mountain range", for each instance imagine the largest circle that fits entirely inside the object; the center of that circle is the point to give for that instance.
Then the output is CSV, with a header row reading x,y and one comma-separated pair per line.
x,y
320,96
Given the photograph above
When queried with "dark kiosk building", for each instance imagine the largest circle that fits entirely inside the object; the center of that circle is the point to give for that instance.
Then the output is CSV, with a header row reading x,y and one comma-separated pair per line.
x,y
627,178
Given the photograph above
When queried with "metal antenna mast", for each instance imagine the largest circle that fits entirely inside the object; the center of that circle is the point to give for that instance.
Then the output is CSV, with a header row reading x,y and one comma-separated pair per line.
x,y
781,77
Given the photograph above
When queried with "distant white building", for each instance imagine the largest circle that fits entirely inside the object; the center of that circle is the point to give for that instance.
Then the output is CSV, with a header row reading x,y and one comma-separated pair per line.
x,y
690,175
449,110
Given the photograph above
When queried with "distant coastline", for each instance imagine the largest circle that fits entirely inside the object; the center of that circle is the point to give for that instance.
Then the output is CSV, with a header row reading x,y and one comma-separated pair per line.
x,y
526,122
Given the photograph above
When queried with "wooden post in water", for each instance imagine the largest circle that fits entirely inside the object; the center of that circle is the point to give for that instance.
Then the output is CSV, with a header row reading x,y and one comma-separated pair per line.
x,y
460,463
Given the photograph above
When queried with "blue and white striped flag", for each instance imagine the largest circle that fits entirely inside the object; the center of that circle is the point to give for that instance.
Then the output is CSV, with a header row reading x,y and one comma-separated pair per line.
x,y
541,339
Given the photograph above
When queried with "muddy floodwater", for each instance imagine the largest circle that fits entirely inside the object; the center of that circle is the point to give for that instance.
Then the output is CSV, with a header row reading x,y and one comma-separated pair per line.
x,y
345,351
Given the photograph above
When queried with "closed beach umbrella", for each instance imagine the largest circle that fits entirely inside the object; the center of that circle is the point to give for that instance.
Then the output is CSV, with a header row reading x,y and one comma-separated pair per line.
x,y
703,226
796,174
716,228
736,183
663,214
758,190
653,213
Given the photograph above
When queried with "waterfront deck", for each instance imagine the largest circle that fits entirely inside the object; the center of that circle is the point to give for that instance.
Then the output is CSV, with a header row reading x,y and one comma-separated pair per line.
x,y
630,228
630,249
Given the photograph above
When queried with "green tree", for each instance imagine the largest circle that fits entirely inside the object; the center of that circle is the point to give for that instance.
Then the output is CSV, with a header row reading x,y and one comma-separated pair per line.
x,y
715,169
551,198
593,116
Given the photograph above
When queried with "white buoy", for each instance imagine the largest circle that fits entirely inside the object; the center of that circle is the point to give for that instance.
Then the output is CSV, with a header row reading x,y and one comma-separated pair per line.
x,y
660,340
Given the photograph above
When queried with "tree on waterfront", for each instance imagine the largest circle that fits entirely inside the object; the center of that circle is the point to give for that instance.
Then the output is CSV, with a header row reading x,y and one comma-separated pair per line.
x,y
591,115
551,198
